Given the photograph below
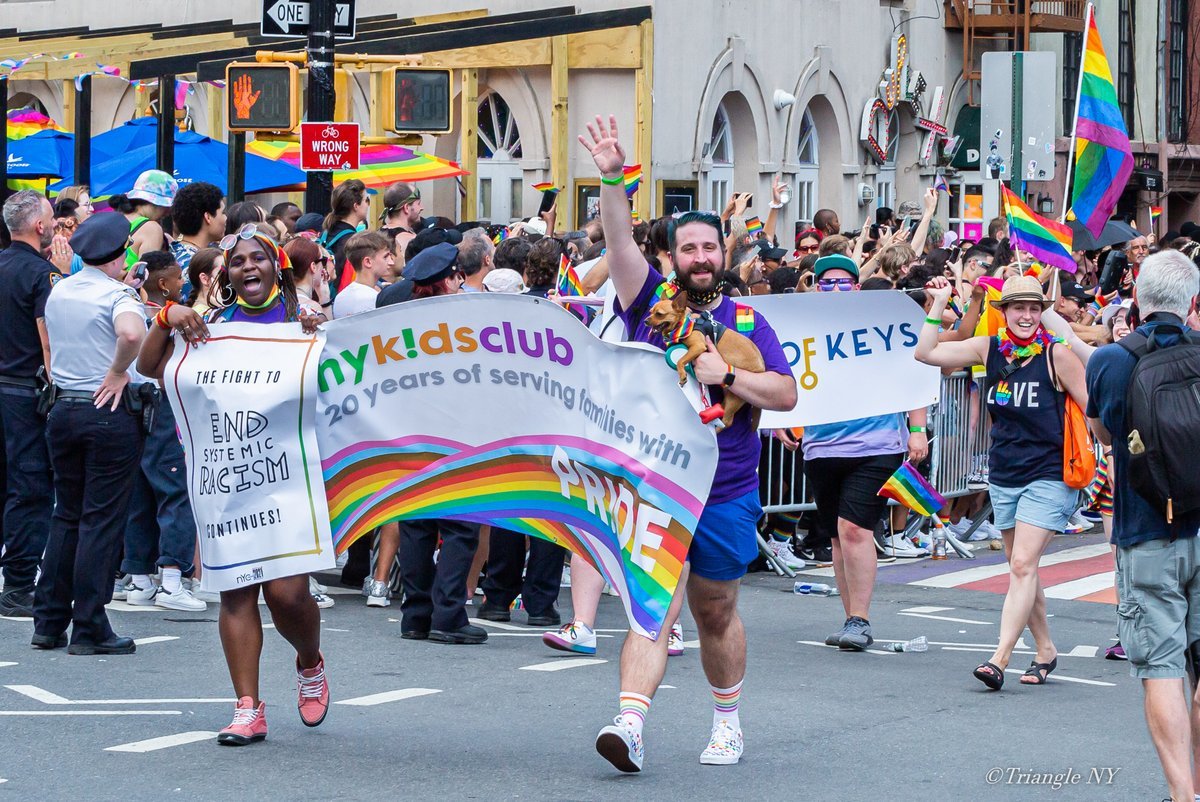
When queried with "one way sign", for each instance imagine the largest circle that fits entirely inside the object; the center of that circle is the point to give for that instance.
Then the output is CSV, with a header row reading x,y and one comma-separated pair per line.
x,y
289,18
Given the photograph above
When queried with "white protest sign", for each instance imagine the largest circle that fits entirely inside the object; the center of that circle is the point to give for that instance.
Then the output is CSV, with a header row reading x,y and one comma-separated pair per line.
x,y
851,354
244,402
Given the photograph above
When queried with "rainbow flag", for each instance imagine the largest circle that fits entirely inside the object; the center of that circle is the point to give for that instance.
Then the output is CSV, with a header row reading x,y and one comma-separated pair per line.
x,y
753,226
545,186
633,177
570,285
379,165
1155,213
1103,157
500,236
939,184
908,487
1048,241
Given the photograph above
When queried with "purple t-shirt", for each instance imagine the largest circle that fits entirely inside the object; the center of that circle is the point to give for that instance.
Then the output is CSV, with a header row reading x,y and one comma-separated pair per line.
x,y
738,448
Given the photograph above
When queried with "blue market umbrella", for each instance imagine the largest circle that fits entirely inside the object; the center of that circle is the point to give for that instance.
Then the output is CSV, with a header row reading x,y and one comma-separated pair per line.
x,y
197,158
134,134
46,153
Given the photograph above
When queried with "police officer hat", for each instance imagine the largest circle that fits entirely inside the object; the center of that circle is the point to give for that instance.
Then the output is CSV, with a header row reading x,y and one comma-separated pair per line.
x,y
101,238
432,264
767,251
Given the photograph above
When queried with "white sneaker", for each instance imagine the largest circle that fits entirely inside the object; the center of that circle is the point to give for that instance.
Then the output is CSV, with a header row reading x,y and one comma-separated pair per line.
x,y
566,577
140,597
1077,523
725,745
621,746
573,636
378,595
121,588
675,641
182,599
990,531
783,552
960,528
899,546
366,588
317,586
323,600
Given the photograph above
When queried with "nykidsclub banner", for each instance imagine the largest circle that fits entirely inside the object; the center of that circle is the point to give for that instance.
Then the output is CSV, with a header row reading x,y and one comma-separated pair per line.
x,y
504,410
851,354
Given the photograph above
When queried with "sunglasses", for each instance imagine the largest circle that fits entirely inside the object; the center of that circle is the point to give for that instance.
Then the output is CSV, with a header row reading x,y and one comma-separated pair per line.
x,y
248,231
808,248
832,284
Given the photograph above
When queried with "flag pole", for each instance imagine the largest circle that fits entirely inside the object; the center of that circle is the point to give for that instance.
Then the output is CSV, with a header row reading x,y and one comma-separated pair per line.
x,y
1087,27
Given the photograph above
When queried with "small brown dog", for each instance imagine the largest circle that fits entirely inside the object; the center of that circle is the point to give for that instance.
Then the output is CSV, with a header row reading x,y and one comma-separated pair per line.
x,y
671,318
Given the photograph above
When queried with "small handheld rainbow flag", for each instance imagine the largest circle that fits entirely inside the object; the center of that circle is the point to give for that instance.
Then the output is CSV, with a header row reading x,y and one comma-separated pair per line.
x,y
633,177
908,487
940,185
1155,213
570,285
545,186
753,226
1048,241
500,236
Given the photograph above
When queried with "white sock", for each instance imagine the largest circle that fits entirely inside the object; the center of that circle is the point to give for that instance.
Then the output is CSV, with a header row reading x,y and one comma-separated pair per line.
x,y
143,581
725,704
172,580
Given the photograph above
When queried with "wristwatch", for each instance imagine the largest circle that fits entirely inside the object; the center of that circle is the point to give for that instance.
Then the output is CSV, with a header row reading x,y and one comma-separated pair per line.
x,y
729,377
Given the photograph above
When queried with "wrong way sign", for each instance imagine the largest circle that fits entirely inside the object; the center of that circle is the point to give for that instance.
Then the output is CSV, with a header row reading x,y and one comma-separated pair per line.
x,y
289,18
329,146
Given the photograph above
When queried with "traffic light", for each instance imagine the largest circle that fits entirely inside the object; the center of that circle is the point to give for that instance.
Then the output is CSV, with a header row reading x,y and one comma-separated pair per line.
x,y
262,97
417,101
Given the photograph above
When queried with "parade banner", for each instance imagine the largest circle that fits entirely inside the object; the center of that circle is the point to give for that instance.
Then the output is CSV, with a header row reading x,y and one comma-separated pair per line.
x,y
245,405
505,410
851,354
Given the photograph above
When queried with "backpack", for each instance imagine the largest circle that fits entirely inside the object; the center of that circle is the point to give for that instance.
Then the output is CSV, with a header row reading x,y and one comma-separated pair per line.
x,y
1079,456
1162,413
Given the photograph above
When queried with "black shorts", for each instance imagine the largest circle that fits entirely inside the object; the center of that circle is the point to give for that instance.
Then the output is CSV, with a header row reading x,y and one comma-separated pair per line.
x,y
848,487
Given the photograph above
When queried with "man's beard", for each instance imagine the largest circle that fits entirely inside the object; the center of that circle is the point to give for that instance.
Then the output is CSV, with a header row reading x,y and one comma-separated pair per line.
x,y
696,293
46,238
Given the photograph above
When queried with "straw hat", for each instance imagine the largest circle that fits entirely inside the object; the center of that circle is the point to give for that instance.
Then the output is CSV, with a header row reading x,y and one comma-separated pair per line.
x,y
1021,288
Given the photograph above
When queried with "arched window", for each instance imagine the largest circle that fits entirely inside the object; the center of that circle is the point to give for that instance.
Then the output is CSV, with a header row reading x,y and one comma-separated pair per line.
x,y
720,150
501,181
885,182
808,172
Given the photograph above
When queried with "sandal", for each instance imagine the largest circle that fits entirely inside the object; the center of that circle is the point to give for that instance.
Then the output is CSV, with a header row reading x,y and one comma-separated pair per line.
x,y
1035,671
990,675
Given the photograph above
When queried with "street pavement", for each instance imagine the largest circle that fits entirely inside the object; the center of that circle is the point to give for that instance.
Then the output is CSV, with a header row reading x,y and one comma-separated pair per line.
x,y
511,719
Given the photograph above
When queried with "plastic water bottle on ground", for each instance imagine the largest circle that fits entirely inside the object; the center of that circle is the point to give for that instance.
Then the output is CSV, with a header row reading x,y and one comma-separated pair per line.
x,y
938,550
915,645
814,589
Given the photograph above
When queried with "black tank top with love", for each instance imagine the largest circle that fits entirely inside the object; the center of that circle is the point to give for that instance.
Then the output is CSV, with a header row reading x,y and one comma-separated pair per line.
x,y
1027,421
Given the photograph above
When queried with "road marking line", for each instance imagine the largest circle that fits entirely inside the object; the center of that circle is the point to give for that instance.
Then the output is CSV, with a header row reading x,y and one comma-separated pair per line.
x,y
691,644
956,578
1069,679
155,639
48,698
331,629
6,664
163,742
560,665
927,609
387,696
126,607
840,649
497,624
948,618
91,712
20,618
1081,587
672,687
268,626
526,635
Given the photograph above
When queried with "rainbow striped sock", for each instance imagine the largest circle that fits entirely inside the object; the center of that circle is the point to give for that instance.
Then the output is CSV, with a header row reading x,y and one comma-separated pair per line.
x,y
725,704
783,526
634,708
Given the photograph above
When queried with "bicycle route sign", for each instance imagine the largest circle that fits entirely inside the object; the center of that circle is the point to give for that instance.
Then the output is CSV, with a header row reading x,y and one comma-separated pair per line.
x,y
329,146
289,18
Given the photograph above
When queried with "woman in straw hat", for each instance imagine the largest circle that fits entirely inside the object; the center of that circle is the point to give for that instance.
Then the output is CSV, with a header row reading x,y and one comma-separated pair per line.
x,y
1028,371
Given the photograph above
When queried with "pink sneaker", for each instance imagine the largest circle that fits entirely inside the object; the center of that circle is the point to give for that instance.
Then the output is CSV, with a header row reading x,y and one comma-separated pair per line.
x,y
314,693
249,724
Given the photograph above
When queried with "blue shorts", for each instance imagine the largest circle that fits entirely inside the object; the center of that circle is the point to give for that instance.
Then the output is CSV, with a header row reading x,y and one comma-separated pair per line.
x,y
1045,503
726,539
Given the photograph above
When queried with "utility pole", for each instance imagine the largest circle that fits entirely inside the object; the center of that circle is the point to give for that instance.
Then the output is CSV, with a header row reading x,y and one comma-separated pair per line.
x,y
320,93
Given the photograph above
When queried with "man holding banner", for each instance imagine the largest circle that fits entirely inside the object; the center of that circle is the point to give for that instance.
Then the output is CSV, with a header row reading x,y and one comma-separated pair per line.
x,y
724,542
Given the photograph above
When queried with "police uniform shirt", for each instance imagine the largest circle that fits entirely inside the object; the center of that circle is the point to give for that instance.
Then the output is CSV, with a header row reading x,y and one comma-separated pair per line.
x,y
25,282
81,321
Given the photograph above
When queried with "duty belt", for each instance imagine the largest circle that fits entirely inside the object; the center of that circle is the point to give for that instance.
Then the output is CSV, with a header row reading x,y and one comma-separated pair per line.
x,y
18,381
75,395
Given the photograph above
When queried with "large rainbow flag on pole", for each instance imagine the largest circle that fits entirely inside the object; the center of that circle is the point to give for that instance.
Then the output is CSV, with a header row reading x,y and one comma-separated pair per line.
x,y
1048,241
1103,158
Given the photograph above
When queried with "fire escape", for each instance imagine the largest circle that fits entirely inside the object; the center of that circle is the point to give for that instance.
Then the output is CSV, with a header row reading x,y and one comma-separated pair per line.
x,y
1005,25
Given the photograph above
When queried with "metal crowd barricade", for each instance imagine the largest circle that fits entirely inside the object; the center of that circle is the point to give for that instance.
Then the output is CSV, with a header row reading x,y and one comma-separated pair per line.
x,y
959,433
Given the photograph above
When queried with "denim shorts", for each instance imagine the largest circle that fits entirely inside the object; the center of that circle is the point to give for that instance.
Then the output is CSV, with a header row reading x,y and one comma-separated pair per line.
x,y
1045,503
726,539
1158,617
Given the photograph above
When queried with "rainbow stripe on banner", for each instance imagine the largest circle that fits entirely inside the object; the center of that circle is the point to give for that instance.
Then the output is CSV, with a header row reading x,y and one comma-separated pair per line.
x,y
1103,156
753,226
1048,241
908,487
545,186
512,483
633,178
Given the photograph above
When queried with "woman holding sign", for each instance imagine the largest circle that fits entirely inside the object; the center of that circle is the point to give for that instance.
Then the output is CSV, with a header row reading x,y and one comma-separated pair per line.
x,y
1029,373
257,286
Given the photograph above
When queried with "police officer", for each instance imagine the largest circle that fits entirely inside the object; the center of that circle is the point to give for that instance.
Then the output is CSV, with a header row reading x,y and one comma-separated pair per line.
x,y
25,282
95,322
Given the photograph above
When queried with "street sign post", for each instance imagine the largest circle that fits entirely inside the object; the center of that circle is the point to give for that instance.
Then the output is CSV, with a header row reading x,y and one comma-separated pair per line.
x,y
329,146
1017,117
290,18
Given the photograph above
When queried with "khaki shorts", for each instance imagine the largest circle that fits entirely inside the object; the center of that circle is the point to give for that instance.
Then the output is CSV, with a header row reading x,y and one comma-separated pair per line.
x,y
1158,617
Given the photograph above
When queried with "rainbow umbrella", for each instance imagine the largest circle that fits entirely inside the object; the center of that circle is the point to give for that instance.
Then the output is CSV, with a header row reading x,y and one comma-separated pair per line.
x,y
380,165
23,122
